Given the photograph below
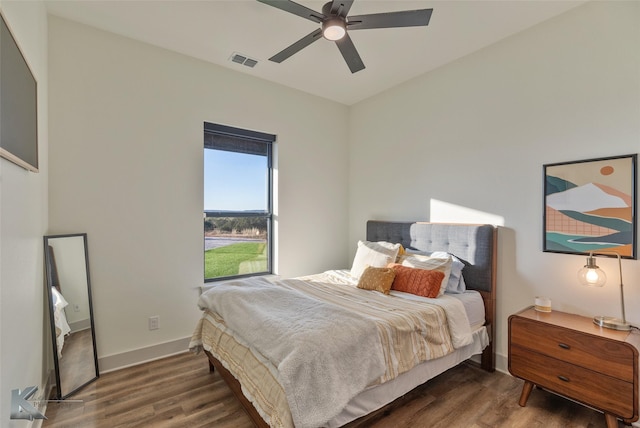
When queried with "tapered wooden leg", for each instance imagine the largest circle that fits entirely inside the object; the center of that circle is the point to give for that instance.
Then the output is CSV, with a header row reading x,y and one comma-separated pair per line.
x,y
526,391
612,421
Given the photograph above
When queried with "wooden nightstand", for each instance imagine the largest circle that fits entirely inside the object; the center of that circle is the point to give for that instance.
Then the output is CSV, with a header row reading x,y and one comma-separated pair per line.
x,y
569,355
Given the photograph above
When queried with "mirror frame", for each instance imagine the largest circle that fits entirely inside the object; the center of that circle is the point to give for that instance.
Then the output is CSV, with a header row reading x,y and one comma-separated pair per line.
x,y
48,280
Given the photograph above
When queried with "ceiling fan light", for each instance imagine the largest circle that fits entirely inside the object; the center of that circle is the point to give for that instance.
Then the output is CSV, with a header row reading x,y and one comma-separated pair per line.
x,y
333,29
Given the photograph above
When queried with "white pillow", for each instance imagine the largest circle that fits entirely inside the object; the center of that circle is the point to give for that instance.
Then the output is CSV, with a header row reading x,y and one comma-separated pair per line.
x,y
374,254
456,284
419,261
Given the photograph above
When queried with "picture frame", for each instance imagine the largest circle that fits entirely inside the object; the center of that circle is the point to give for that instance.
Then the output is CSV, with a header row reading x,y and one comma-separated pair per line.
x,y
590,206
18,103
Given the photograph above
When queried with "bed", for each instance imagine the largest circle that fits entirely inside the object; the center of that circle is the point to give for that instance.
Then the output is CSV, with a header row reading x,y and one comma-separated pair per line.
x,y
277,387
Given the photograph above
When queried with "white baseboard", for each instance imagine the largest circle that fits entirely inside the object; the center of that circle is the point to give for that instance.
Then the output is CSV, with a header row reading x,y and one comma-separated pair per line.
x,y
502,363
80,325
143,355
42,397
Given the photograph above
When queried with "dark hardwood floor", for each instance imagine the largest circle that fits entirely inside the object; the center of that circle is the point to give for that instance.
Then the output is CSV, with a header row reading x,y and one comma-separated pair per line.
x,y
180,391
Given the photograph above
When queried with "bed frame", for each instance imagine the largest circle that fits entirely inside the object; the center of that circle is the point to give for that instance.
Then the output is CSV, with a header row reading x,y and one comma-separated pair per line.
x,y
474,244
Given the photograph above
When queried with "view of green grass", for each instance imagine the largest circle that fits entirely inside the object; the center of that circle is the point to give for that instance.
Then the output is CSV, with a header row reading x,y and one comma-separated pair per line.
x,y
228,260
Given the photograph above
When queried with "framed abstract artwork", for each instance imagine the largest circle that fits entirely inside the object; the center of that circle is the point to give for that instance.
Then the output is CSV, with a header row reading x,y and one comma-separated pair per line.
x,y
590,205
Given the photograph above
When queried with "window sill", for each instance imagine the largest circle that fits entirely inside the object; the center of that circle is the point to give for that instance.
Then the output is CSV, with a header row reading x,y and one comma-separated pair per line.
x,y
208,285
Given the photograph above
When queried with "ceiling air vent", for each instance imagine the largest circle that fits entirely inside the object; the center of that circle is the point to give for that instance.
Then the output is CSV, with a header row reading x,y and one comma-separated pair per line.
x,y
243,59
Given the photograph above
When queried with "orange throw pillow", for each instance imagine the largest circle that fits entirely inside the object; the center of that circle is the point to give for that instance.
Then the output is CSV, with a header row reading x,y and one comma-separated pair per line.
x,y
421,282
378,279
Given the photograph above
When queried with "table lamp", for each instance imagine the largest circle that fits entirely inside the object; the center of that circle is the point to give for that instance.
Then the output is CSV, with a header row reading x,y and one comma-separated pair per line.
x,y
592,275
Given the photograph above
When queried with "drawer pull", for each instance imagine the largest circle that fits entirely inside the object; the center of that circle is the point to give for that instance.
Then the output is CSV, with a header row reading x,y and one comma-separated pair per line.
x,y
563,378
564,346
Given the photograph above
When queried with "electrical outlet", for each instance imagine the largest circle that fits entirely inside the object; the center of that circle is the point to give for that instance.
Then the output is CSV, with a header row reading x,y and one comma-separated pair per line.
x,y
154,322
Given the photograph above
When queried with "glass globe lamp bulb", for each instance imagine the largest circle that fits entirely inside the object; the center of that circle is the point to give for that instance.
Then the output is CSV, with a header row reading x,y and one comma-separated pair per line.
x,y
591,275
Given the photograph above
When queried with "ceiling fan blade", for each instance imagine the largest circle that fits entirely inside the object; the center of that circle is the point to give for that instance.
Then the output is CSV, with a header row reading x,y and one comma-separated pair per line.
x,y
341,7
350,54
405,18
296,9
297,46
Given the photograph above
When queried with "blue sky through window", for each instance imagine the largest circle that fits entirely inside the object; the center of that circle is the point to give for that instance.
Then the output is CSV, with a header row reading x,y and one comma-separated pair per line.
x,y
234,181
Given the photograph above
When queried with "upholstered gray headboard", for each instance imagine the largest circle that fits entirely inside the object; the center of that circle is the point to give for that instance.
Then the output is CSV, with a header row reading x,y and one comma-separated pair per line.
x,y
474,244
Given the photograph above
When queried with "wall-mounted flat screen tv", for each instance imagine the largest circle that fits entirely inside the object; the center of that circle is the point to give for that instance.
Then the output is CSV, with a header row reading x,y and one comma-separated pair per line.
x,y
18,104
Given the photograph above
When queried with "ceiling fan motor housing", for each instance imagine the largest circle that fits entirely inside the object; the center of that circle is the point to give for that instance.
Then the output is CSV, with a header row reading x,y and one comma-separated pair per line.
x,y
334,28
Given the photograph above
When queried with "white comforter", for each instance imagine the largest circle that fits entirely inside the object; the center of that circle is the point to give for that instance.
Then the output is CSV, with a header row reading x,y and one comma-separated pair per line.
x,y
290,328
457,319
295,342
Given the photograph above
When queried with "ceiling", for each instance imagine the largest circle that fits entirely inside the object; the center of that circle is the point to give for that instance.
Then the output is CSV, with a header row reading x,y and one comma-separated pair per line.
x,y
212,30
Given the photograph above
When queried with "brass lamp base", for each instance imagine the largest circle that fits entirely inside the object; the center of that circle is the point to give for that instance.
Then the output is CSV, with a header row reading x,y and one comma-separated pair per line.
x,y
612,323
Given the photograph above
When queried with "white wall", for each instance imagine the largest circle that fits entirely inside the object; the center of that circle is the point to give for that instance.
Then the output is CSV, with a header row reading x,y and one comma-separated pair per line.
x,y
126,161
126,167
24,344
467,142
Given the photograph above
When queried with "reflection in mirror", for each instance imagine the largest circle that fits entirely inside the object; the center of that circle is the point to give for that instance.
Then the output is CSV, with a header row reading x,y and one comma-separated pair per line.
x,y
71,312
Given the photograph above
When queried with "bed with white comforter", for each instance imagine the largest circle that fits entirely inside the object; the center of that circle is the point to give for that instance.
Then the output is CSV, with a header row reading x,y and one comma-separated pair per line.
x,y
319,351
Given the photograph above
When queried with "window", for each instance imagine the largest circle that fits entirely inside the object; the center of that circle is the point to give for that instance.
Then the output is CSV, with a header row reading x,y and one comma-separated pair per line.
x,y
237,202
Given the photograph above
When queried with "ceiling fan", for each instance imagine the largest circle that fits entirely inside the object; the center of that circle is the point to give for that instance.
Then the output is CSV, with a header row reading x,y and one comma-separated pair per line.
x,y
335,26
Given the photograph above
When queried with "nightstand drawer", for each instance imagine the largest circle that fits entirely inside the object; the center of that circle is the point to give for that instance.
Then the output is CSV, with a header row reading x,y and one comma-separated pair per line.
x,y
605,356
603,392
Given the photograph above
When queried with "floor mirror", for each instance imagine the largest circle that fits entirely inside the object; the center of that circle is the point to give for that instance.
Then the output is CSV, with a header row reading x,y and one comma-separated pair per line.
x,y
71,312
